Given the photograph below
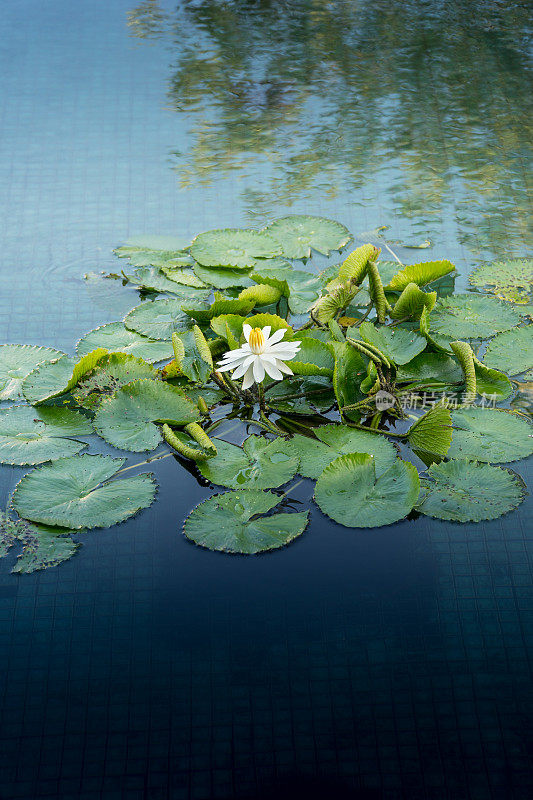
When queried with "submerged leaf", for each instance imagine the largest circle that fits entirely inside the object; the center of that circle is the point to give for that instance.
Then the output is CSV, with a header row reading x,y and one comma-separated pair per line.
x,y
127,419
233,247
348,491
466,491
258,464
336,440
472,316
511,351
16,363
299,233
43,546
31,436
158,319
316,390
490,435
76,493
231,523
508,280
118,339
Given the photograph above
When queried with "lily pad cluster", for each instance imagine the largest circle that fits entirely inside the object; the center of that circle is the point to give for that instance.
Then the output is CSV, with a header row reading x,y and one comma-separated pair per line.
x,y
393,407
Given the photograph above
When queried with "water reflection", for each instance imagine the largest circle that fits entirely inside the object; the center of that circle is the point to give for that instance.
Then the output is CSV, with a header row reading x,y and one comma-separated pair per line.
x,y
421,108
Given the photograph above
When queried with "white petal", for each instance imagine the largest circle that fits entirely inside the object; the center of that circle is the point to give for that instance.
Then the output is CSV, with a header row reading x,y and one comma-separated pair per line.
x,y
246,329
266,331
248,379
283,367
272,371
240,371
227,367
276,336
259,370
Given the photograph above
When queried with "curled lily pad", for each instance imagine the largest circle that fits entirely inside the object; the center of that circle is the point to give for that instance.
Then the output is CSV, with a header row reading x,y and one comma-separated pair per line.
x,y
472,316
350,370
192,355
258,464
118,339
31,436
16,363
336,440
111,372
466,491
397,344
77,493
233,247
127,418
490,435
299,233
55,378
511,351
158,319
508,280
491,382
233,523
348,491
421,274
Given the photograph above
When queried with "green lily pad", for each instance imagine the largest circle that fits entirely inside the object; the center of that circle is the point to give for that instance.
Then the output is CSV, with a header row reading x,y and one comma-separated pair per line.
x,y
413,302
466,491
229,326
118,339
511,351
111,372
31,436
258,464
349,492
421,274
301,288
223,277
16,363
157,242
276,323
430,367
316,390
233,247
192,355
397,344
55,378
491,382
508,280
337,440
432,432
232,523
472,316
151,279
313,358
76,493
299,233
490,435
127,419
43,546
217,308
158,319
184,277
350,370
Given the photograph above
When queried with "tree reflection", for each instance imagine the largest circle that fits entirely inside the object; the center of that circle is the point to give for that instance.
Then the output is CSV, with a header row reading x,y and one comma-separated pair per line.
x,y
421,107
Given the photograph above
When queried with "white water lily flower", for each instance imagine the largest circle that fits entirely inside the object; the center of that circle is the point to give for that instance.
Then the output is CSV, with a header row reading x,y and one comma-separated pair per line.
x,y
262,354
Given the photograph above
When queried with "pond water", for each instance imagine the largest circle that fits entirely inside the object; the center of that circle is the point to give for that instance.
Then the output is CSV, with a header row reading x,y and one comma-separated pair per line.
x,y
392,663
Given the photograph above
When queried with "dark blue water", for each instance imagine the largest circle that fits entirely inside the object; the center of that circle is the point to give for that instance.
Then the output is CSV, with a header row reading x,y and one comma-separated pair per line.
x,y
391,664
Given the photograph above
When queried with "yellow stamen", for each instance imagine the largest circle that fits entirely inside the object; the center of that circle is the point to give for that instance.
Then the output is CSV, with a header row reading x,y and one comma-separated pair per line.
x,y
256,340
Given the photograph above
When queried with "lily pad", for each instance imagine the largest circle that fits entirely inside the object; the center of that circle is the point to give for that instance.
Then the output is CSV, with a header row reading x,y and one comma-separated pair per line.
x,y
511,351
397,344
350,370
192,355
185,277
472,316
301,288
466,491
111,372
490,435
336,440
151,279
158,319
118,339
491,382
299,233
432,432
421,274
31,436
258,464
217,308
43,546
313,358
223,278
127,419
430,367
508,280
232,523
317,395
233,247
77,493
55,378
349,492
16,363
